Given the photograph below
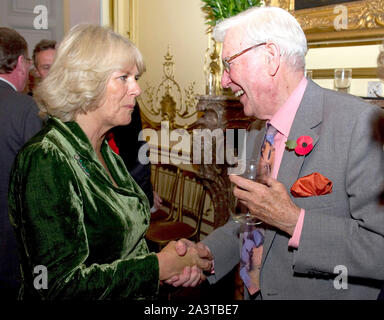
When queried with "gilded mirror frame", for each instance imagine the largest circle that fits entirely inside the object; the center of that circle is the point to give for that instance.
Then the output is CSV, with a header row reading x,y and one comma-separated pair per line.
x,y
365,22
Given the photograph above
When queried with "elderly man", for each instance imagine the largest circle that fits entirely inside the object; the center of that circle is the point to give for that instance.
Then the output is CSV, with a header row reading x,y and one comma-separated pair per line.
x,y
43,56
18,122
322,235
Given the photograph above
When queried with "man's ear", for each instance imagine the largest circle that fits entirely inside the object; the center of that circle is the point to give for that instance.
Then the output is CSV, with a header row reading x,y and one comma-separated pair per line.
x,y
20,67
272,58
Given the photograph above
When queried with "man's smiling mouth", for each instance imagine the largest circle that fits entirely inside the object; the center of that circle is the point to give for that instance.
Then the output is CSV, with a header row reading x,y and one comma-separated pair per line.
x,y
239,93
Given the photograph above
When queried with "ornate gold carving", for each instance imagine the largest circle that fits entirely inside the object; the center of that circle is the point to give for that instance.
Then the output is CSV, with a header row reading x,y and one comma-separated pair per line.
x,y
168,108
212,67
190,99
365,21
165,102
361,15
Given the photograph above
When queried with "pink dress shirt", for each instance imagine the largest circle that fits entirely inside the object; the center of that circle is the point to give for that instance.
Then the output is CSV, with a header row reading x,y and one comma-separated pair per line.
x,y
282,120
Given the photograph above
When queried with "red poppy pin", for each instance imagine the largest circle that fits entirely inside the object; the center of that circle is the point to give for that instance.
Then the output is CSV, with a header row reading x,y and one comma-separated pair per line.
x,y
302,146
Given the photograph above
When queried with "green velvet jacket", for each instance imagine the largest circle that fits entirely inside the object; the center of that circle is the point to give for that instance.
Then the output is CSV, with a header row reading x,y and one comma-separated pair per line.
x,y
69,217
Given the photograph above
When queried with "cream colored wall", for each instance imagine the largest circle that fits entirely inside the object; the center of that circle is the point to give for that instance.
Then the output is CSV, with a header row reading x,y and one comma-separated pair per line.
x,y
179,26
84,11
343,57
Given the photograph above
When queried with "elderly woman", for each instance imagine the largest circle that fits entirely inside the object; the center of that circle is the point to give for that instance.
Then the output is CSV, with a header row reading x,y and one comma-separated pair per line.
x,y
75,209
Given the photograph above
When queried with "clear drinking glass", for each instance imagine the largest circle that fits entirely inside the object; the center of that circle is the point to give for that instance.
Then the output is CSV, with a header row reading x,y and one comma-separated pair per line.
x,y
240,212
343,79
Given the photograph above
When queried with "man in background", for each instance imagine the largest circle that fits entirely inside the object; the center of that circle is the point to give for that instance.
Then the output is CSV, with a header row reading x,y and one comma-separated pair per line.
x,y
43,56
19,121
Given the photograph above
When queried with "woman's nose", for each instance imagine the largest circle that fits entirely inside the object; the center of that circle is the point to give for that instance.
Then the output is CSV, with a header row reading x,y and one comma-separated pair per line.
x,y
136,90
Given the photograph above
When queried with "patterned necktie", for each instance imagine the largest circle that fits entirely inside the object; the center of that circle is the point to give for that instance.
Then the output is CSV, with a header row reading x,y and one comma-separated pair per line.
x,y
253,235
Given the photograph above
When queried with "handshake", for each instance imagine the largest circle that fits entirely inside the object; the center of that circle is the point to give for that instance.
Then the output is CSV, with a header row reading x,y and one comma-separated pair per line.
x,y
183,263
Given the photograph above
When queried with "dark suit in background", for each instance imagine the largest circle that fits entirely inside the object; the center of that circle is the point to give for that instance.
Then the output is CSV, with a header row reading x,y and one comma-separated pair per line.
x,y
127,140
19,121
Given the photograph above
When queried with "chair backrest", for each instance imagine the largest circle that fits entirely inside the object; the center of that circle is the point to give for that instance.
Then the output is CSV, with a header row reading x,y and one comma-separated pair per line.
x,y
192,194
166,182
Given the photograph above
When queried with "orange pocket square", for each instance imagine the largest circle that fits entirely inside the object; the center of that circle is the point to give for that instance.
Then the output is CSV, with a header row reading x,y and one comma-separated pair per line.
x,y
314,184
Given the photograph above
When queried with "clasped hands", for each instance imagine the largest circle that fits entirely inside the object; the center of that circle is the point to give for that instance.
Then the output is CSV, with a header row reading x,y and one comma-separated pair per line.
x,y
187,261
184,263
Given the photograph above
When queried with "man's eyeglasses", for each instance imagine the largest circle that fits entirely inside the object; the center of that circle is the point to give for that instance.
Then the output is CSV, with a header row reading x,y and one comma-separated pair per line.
x,y
29,60
228,60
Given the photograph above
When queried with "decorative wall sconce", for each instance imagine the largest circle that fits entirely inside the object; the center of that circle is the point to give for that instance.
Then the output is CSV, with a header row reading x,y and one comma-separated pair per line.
x,y
166,101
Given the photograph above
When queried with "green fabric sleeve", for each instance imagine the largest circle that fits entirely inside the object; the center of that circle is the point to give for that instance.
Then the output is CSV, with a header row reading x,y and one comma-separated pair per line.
x,y
47,213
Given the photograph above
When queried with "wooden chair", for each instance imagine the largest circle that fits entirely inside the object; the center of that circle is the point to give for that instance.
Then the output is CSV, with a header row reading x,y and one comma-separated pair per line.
x,y
165,184
191,196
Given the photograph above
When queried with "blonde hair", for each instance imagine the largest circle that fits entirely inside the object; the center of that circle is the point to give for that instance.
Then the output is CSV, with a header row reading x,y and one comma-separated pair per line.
x,y
84,61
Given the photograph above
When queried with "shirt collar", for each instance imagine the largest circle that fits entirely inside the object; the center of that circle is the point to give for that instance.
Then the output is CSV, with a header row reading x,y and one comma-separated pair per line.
x,y
11,84
282,120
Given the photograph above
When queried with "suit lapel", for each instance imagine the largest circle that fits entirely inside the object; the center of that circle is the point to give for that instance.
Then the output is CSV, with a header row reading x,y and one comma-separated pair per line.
x,y
306,123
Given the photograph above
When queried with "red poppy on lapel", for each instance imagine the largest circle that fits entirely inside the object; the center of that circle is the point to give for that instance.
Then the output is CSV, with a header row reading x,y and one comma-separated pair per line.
x,y
302,146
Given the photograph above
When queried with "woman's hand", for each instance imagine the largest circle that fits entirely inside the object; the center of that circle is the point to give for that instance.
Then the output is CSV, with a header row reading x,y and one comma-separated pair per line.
x,y
172,264
191,277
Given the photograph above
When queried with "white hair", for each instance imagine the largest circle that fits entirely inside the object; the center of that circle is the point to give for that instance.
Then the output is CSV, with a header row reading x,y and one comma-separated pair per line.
x,y
264,24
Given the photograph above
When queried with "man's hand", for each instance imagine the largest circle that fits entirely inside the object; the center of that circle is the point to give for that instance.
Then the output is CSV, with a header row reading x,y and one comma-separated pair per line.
x,y
172,263
270,203
191,277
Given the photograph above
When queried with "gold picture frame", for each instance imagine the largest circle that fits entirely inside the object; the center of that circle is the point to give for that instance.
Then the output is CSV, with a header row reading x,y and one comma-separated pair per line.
x,y
365,22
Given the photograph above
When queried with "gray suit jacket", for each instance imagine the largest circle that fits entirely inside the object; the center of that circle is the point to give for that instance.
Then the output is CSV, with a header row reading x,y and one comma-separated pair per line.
x,y
19,121
344,228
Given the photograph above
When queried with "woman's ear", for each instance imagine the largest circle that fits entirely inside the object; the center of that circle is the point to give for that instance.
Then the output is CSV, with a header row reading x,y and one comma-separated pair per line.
x,y
272,58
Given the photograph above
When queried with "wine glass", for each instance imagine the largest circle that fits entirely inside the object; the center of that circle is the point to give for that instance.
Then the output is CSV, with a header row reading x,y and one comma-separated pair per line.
x,y
239,212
